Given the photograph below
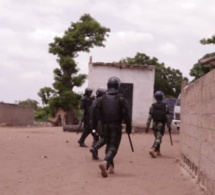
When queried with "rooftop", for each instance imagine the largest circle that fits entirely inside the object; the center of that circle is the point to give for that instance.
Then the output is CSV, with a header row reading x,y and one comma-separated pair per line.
x,y
120,65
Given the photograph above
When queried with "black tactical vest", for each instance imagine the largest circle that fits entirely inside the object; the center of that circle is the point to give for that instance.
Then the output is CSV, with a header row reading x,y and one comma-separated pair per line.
x,y
111,108
158,112
86,103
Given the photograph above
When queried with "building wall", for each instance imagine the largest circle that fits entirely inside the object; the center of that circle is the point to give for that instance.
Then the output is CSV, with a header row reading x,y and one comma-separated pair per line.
x,y
197,130
143,84
15,115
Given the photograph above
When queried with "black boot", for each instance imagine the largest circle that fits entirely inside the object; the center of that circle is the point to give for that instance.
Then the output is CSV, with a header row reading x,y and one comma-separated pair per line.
x,y
82,144
94,143
94,153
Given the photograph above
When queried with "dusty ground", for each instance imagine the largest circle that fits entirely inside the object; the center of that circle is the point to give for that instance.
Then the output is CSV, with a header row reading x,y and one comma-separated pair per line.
x,y
48,161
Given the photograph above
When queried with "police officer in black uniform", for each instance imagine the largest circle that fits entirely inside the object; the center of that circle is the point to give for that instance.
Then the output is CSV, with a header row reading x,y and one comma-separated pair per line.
x,y
159,113
112,110
96,133
86,102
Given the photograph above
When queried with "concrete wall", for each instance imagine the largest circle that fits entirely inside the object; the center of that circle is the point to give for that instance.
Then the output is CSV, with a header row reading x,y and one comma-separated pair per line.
x,y
15,115
142,78
197,131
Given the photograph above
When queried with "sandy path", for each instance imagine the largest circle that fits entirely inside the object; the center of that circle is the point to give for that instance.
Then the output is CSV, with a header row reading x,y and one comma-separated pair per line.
x,y
48,161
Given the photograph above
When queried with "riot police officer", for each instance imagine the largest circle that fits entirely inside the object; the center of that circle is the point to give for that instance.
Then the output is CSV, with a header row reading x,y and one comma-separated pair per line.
x,y
86,102
96,133
112,110
159,113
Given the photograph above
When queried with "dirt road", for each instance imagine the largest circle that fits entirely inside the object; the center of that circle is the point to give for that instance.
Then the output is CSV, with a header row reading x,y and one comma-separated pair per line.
x,y
48,161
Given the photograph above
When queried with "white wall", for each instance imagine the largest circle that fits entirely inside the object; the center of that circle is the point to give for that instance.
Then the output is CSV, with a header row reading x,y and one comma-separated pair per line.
x,y
143,84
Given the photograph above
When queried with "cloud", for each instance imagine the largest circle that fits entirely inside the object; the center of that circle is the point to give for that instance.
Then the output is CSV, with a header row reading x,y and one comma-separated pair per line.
x,y
33,75
170,31
3,81
122,44
133,37
43,35
168,49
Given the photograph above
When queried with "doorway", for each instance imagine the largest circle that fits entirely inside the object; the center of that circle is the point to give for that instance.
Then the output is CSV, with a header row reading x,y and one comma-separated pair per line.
x,y
127,90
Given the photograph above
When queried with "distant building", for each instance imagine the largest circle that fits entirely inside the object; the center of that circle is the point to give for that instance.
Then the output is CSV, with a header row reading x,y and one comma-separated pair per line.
x,y
137,84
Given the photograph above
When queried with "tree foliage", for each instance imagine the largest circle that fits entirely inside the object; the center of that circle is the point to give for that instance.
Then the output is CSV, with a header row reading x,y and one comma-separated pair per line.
x,y
206,41
42,114
198,70
29,102
45,93
167,79
79,37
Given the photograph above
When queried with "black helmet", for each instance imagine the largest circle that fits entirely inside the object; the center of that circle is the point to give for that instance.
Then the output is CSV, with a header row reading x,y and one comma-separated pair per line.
x,y
159,95
113,82
88,91
100,92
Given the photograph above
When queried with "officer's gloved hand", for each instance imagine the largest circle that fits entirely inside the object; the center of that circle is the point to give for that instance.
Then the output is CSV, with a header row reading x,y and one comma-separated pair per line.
x,y
94,132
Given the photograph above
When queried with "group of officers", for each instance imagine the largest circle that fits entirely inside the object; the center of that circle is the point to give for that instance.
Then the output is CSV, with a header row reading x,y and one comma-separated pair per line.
x,y
104,115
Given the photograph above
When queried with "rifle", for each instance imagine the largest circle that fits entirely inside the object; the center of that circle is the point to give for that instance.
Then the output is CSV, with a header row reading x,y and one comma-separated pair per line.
x,y
170,136
132,148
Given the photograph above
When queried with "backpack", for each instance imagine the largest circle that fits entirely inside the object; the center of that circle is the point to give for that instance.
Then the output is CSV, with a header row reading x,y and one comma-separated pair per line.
x,y
158,112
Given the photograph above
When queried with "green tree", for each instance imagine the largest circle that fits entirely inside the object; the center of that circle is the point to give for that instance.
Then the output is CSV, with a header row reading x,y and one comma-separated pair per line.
x,y
198,70
45,93
42,114
210,40
45,112
29,102
79,37
167,79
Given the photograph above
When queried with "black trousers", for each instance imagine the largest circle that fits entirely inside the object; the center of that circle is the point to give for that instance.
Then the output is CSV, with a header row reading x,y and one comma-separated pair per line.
x,y
86,130
112,136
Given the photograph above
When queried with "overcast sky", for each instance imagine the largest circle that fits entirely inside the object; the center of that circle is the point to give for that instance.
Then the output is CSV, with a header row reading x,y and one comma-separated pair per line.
x,y
168,30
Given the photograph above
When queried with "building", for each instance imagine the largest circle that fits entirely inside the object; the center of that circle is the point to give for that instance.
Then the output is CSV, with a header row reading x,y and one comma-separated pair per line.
x,y
137,84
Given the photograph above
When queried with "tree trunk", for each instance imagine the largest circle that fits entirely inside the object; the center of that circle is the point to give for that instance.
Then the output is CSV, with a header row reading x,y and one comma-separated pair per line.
x,y
71,117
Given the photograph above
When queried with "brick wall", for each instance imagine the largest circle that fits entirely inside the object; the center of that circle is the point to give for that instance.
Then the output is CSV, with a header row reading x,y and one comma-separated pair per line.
x,y
15,115
197,131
